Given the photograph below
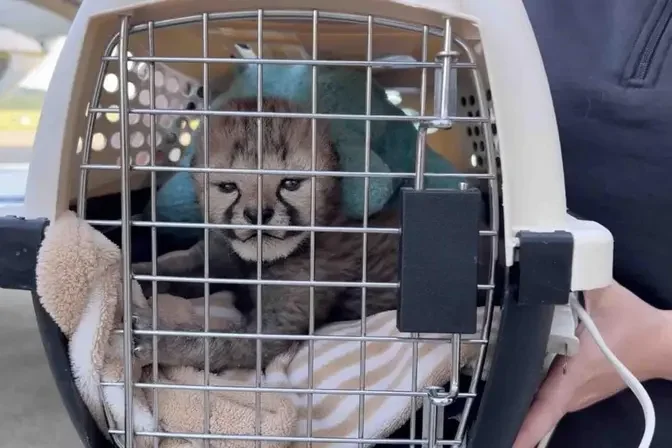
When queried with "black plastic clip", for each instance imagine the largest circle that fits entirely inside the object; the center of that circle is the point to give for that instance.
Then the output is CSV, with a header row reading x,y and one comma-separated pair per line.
x,y
438,261
545,267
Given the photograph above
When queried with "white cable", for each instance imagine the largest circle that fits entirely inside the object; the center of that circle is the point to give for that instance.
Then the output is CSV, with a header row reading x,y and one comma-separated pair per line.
x,y
626,375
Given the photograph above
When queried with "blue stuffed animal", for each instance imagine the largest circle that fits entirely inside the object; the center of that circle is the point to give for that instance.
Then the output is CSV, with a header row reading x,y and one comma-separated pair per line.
x,y
340,90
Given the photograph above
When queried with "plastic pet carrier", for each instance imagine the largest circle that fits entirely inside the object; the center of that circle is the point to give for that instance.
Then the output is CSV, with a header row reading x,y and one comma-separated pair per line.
x,y
438,111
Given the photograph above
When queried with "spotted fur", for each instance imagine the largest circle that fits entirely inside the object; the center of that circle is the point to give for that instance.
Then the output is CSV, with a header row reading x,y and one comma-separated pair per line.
x,y
286,254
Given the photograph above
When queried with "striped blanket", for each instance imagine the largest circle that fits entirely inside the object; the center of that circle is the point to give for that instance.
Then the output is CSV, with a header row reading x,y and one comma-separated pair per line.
x,y
386,361
388,367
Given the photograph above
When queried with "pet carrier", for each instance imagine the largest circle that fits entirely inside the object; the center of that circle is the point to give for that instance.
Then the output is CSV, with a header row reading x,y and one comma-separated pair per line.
x,y
437,110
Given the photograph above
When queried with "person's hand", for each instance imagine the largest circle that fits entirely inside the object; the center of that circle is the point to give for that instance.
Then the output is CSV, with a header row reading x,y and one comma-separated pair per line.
x,y
637,333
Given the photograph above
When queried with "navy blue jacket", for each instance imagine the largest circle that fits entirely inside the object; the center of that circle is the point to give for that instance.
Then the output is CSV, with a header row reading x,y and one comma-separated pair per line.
x,y
610,73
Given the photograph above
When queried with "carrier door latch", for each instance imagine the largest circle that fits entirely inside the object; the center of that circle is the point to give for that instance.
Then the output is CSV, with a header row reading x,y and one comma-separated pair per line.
x,y
438,261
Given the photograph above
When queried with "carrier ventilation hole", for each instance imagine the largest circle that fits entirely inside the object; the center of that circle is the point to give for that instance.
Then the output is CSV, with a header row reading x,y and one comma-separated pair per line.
x,y
129,64
111,83
475,131
158,79
144,97
476,161
132,91
142,158
115,140
165,121
174,155
488,97
142,70
98,141
172,85
113,117
161,102
137,139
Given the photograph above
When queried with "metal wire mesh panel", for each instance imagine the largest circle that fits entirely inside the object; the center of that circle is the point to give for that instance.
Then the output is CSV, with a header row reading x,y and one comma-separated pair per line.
x,y
271,196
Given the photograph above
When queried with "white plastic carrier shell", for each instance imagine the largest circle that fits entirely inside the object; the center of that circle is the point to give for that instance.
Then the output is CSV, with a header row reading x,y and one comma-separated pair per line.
x,y
533,192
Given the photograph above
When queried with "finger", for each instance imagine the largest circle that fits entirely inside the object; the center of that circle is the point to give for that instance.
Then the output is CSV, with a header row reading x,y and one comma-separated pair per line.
x,y
548,407
541,418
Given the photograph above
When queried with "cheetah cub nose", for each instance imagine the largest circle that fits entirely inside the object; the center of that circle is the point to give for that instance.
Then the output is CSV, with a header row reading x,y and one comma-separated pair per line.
x,y
251,215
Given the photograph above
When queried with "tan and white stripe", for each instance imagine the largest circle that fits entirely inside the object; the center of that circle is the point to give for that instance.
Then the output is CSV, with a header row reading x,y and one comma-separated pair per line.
x,y
336,366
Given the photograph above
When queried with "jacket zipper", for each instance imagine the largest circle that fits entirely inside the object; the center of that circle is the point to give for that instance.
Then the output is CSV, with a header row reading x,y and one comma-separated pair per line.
x,y
641,69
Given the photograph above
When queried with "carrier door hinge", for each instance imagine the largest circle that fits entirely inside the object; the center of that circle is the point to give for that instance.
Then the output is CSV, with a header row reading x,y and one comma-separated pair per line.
x,y
445,82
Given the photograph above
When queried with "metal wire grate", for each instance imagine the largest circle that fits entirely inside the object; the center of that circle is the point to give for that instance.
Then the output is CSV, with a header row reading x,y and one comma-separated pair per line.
x,y
456,58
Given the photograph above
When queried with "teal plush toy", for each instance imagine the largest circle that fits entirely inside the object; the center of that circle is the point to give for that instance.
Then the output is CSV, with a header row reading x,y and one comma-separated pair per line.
x,y
340,90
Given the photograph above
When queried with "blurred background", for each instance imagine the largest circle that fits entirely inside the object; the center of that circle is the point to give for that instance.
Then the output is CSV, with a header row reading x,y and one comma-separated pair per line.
x,y
32,33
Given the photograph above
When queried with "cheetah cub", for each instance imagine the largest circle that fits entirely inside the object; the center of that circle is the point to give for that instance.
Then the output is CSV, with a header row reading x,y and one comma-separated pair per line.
x,y
285,251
